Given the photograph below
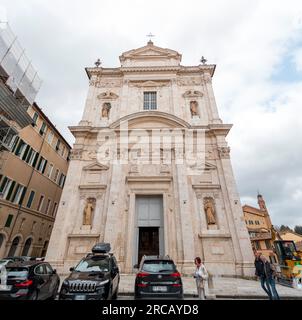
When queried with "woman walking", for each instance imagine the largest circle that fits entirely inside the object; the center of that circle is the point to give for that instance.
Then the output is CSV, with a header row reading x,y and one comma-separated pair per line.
x,y
200,275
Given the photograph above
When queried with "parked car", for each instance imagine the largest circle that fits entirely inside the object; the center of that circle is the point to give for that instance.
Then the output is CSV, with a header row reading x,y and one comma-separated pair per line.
x,y
16,259
5,261
27,258
29,280
96,277
157,277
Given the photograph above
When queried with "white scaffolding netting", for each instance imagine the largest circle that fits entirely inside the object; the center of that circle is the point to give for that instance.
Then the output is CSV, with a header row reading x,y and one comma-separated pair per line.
x,y
16,67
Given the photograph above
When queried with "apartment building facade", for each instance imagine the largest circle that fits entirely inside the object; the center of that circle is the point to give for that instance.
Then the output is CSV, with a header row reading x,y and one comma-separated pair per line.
x,y
32,175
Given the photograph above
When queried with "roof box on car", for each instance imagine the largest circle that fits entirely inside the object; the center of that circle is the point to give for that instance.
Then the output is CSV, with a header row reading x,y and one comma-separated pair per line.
x,y
101,248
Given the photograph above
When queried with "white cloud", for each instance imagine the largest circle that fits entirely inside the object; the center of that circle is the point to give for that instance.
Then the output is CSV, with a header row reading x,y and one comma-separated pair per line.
x,y
248,41
298,59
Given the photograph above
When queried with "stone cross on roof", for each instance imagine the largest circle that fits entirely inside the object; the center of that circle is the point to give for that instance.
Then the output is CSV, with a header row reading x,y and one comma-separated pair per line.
x,y
150,36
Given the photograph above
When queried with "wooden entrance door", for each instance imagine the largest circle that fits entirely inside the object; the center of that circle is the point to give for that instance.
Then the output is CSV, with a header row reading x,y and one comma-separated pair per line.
x,y
148,243
149,237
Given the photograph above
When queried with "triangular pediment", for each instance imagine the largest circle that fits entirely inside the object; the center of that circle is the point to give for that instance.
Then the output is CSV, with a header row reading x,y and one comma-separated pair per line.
x,y
150,52
96,166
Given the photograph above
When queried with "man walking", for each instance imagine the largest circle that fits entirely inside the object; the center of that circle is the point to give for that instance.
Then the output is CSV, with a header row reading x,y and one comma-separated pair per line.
x,y
266,275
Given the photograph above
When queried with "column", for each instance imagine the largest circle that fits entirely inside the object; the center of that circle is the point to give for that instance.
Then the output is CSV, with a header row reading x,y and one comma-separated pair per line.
x,y
240,236
185,217
211,99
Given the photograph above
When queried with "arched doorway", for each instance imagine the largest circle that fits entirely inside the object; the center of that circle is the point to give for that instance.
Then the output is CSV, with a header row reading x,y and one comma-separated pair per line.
x,y
14,246
26,248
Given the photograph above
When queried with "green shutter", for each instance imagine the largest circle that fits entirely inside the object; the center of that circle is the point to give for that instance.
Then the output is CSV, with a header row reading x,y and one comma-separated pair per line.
x,y
44,167
9,221
25,152
16,190
10,190
22,196
3,184
15,144
39,163
36,159
30,199
29,155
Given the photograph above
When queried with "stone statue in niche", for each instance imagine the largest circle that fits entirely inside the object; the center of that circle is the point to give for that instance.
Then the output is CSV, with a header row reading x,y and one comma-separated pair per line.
x,y
209,210
106,109
194,108
88,211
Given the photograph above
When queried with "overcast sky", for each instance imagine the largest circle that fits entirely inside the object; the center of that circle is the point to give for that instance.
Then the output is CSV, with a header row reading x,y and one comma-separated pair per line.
x,y
257,46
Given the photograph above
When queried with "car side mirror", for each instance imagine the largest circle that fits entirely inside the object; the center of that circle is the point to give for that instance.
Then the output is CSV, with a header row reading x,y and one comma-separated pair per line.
x,y
135,266
71,269
54,271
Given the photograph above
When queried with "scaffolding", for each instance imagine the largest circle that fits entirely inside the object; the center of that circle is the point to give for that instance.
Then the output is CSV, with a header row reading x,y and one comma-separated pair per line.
x,y
19,85
16,68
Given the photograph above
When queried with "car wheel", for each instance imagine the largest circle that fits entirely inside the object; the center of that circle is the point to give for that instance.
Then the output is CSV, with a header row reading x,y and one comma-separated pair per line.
x,y
34,295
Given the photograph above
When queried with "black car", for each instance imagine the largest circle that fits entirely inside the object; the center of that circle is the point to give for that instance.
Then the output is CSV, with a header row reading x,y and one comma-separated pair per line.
x,y
158,277
29,280
96,277
16,259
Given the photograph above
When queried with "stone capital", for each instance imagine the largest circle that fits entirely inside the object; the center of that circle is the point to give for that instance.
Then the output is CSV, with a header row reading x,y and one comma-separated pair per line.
x,y
224,152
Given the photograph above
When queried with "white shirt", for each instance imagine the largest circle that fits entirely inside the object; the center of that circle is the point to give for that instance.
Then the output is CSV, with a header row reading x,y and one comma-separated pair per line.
x,y
201,272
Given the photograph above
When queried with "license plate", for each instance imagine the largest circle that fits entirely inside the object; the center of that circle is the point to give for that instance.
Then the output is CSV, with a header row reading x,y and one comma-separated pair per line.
x,y
80,297
160,289
5,287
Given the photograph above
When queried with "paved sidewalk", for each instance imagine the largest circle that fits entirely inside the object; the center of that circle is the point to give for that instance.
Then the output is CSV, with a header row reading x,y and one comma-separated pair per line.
x,y
231,288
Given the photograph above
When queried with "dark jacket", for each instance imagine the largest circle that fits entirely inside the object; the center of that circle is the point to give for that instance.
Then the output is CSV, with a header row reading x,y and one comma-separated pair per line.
x,y
263,270
259,265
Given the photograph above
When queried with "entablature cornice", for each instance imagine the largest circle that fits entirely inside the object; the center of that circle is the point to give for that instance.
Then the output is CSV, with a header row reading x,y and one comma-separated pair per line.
x,y
215,129
206,186
148,178
120,71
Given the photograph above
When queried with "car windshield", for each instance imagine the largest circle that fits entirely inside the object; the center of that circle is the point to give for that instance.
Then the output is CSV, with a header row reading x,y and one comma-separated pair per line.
x,y
289,247
17,272
93,264
159,266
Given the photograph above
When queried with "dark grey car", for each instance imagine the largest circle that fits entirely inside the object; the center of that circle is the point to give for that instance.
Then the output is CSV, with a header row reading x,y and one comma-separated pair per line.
x,y
158,277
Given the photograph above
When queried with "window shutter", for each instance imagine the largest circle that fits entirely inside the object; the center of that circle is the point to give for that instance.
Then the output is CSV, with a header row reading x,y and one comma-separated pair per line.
x,y
44,167
25,152
36,159
22,196
10,190
15,144
3,184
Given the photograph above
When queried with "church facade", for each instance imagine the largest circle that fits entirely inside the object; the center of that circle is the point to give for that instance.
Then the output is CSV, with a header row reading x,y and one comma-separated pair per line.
x,y
150,170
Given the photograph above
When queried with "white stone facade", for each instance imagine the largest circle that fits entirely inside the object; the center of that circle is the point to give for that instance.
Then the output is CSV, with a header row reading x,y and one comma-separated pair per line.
x,y
183,187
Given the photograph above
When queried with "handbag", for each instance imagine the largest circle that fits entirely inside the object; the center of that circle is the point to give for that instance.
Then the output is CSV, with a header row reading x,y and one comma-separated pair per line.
x,y
204,275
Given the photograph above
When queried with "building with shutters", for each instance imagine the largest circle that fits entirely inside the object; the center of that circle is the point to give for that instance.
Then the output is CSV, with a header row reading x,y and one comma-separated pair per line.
x,y
32,176
33,156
